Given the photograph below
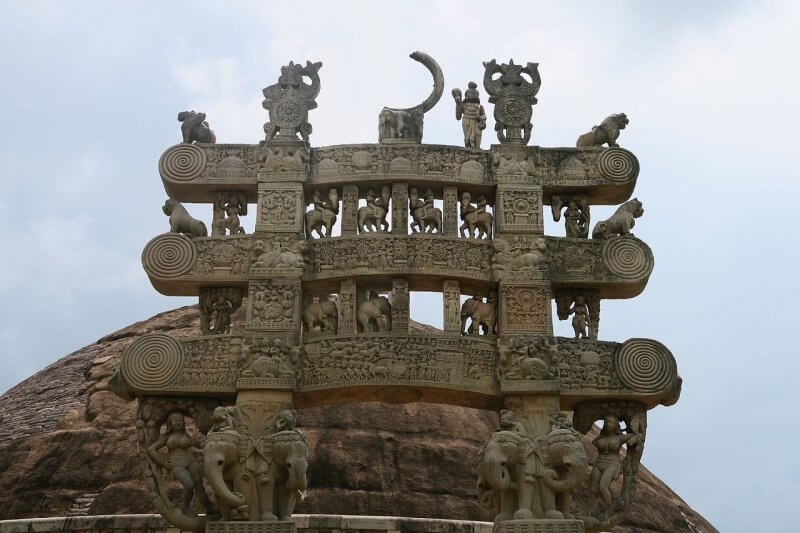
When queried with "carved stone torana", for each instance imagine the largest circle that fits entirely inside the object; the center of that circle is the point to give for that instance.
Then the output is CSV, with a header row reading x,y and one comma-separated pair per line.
x,y
217,304
280,207
405,125
290,100
513,97
451,295
471,114
227,208
519,210
194,128
328,317
606,133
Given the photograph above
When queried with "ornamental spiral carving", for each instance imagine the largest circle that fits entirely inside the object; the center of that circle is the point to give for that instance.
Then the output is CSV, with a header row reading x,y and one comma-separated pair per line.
x,y
169,255
152,362
617,164
627,257
645,366
182,162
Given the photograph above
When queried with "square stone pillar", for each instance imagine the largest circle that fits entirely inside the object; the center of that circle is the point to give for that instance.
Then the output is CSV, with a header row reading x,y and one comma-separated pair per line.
x,y
518,209
347,303
400,305
451,296
524,307
400,208
450,211
281,207
349,211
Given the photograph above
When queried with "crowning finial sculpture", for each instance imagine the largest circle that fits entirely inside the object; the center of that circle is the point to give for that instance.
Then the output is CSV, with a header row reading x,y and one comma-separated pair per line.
x,y
327,285
405,125
513,95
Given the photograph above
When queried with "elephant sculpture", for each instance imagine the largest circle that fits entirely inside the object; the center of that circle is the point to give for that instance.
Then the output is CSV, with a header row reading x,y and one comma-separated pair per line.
x,y
323,314
522,478
372,311
256,480
482,314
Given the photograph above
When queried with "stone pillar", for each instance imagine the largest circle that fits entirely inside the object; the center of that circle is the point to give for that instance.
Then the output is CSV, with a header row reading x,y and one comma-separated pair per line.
x,y
524,307
450,211
347,304
451,296
349,211
400,305
281,208
518,209
400,208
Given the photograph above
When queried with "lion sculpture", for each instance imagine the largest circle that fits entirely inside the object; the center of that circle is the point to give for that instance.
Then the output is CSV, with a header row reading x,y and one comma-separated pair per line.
x,y
180,221
195,128
606,133
620,222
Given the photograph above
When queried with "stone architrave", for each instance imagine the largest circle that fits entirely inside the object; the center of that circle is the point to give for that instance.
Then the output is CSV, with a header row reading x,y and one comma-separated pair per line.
x,y
451,296
519,209
400,305
450,211
524,307
348,305
400,208
349,211
280,207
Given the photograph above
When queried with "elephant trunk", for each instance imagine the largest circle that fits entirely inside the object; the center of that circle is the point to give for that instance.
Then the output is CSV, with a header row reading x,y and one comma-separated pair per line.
x,y
497,474
213,466
575,475
296,475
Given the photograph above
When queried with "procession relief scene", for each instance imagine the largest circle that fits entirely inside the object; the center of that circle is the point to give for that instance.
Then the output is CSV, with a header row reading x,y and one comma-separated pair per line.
x,y
344,236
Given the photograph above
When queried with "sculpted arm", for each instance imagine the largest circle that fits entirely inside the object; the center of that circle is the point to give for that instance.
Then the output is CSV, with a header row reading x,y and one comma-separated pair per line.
x,y
152,451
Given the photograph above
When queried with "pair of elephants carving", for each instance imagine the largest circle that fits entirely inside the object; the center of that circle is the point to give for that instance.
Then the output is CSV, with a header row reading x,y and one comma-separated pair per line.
x,y
373,314
523,478
256,479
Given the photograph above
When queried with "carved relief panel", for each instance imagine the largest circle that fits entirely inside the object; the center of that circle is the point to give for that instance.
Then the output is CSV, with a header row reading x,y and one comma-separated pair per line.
x,y
525,308
274,304
519,210
280,207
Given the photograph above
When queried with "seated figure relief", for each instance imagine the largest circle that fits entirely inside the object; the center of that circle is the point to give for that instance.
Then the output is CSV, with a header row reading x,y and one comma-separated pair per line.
x,y
477,222
425,217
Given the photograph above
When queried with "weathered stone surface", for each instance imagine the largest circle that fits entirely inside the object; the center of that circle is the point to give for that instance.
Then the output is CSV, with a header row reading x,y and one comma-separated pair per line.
x,y
64,435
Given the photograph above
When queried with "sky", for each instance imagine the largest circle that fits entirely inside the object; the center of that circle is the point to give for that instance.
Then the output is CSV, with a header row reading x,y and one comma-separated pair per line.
x,y
92,92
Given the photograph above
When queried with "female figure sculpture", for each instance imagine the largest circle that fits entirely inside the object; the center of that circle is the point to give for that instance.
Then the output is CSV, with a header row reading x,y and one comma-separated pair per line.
x,y
608,465
180,461
580,322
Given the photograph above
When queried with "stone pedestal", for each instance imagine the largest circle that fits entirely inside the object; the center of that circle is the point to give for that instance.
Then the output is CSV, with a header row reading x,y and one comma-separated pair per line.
x,y
539,526
252,527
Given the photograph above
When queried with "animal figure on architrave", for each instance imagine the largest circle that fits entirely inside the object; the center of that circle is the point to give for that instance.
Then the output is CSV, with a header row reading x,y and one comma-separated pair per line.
x,y
483,315
405,125
372,217
322,313
606,133
374,313
323,215
425,217
475,218
621,222
180,221
517,256
195,128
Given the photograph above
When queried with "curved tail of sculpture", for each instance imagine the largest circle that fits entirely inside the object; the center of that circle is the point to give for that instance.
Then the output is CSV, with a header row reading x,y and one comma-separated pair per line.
x,y
438,79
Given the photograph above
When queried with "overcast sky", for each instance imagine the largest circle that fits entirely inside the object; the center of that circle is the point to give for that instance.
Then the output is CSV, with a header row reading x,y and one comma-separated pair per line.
x,y
91,92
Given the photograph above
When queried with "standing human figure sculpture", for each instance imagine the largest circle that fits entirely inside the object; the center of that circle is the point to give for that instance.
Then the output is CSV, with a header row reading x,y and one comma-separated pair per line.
x,y
574,220
608,465
580,320
180,461
471,114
